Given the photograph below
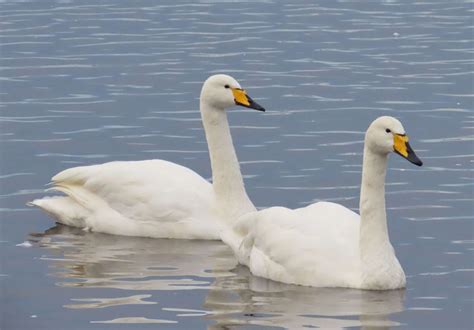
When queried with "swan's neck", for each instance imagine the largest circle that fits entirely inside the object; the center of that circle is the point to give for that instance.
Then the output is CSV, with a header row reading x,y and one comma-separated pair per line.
x,y
373,227
379,264
227,180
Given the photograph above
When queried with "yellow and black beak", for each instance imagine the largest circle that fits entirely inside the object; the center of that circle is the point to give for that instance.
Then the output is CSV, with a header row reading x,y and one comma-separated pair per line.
x,y
403,148
241,98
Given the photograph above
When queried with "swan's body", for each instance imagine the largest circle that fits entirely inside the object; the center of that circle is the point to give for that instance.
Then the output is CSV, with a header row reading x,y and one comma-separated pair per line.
x,y
140,198
326,244
156,198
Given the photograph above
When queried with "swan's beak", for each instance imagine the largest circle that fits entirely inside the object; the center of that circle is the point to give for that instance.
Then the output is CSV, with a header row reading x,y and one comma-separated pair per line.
x,y
241,98
403,148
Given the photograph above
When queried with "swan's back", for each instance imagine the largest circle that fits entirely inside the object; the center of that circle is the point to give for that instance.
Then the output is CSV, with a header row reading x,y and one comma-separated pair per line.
x,y
127,185
317,245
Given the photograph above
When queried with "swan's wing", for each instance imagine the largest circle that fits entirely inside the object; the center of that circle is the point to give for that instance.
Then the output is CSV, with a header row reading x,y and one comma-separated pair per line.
x,y
316,245
145,198
159,184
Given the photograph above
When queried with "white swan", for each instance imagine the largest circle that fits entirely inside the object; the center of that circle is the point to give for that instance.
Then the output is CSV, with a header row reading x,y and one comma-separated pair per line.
x,y
326,244
156,198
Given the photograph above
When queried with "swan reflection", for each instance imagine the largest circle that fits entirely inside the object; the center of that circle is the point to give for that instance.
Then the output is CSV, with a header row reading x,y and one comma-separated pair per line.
x,y
132,263
295,307
234,297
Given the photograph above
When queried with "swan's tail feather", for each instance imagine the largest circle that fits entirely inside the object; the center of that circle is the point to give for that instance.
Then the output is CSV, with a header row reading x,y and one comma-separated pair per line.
x,y
64,209
70,175
81,196
76,209
77,176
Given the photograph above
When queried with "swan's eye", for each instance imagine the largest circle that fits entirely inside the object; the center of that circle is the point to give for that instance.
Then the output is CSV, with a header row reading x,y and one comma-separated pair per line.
x,y
388,130
227,86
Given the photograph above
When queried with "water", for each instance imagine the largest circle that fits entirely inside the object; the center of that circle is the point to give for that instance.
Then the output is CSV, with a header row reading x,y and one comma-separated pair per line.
x,y
87,82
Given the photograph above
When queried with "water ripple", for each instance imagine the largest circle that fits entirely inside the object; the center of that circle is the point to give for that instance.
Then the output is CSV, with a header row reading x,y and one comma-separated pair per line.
x,y
85,83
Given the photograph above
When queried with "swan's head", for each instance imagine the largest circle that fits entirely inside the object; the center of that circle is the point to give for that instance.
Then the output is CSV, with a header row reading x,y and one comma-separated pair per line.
x,y
222,91
385,135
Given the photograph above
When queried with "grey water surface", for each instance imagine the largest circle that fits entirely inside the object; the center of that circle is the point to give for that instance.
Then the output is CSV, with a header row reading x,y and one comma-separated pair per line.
x,y
86,82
